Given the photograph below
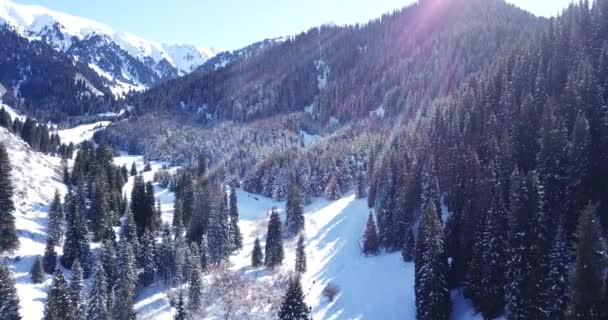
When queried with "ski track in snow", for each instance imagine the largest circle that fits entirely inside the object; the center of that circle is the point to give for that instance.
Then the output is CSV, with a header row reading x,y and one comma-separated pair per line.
x,y
380,287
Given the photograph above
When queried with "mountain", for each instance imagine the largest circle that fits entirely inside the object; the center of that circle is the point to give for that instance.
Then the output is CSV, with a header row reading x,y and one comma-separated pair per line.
x,y
126,60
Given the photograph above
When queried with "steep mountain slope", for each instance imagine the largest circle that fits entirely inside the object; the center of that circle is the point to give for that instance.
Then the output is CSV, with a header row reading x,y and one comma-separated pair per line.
x,y
130,61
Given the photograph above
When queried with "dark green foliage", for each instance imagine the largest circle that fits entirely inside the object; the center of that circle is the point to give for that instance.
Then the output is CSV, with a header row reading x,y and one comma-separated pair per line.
x,y
126,281
300,255
274,254
56,219
98,299
587,282
58,304
257,256
294,220
294,307
142,205
76,245
77,293
432,294
9,300
49,260
147,258
37,272
235,232
409,246
371,243
8,234
195,290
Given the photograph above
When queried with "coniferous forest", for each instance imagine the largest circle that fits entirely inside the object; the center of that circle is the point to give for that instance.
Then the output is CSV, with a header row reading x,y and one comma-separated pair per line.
x,y
474,133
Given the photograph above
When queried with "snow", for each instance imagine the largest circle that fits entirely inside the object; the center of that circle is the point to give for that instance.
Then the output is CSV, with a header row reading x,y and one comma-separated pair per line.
x,y
307,138
33,20
81,133
323,70
35,178
378,112
119,88
12,112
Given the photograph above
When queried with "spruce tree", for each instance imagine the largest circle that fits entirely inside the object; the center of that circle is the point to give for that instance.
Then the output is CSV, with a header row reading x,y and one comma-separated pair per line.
x,y
146,258
204,247
557,279
361,191
587,281
56,219
332,191
58,304
133,171
257,256
300,255
77,292
294,211
409,246
49,260
126,282
371,243
37,272
98,299
293,306
219,241
235,232
432,294
182,313
8,234
76,244
165,260
195,290
9,300
274,241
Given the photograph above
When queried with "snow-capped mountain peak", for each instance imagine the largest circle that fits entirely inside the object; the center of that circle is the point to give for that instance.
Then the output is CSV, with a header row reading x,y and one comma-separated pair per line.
x,y
100,45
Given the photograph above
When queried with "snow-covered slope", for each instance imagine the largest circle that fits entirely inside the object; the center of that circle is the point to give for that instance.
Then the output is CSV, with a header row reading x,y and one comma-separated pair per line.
x,y
35,178
123,55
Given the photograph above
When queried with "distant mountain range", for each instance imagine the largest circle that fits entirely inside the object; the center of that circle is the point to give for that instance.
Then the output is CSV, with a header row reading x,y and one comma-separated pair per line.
x,y
126,60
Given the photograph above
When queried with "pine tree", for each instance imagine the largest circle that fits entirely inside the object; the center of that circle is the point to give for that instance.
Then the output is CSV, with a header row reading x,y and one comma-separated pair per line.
x,y
294,307
146,258
77,293
98,299
182,313
557,279
432,294
109,262
49,260
133,171
9,300
361,191
371,243
37,272
235,232
58,303
8,234
257,256
56,219
127,277
76,244
165,260
204,254
409,246
274,241
332,191
195,290
99,212
219,241
294,213
300,255
587,281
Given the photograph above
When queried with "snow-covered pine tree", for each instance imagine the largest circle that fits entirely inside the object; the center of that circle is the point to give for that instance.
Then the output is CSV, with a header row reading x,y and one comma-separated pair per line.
x,y
408,250
432,293
76,244
77,293
587,280
557,279
146,258
361,191
49,260
257,256
56,219
294,307
332,191
274,253
98,299
300,255
99,207
9,300
164,257
182,312
204,254
219,241
8,234
126,282
195,290
371,243
108,260
133,171
58,303
294,211
37,272
235,231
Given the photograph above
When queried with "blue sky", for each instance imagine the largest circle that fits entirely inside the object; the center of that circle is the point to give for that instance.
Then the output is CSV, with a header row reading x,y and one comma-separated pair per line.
x,y
231,24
